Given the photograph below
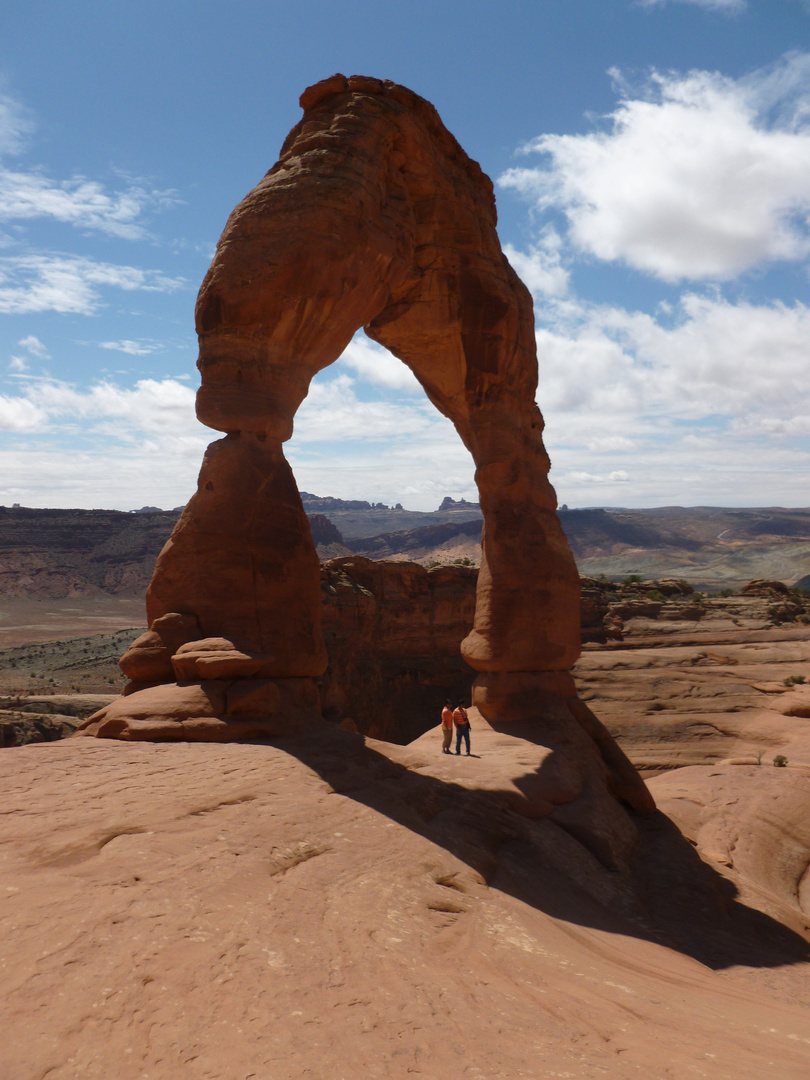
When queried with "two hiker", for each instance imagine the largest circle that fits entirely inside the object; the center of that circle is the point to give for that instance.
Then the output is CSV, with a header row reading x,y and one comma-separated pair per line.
x,y
457,716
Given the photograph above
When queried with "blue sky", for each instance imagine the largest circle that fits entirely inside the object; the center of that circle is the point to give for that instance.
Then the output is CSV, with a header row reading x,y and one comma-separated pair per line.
x,y
652,170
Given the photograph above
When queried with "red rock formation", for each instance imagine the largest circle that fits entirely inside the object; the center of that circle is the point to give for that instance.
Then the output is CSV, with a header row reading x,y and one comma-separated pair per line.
x,y
373,217
392,631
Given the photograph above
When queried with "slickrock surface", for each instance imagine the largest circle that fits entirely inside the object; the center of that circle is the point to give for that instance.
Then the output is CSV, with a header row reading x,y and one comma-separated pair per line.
x,y
679,692
319,909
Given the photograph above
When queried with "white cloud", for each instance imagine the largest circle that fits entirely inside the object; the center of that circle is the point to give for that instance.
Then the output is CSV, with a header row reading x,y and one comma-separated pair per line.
x,y
17,364
332,412
698,176
376,365
541,268
716,359
15,125
728,7
20,414
151,406
132,348
35,347
709,408
121,480
79,201
609,443
69,283
618,476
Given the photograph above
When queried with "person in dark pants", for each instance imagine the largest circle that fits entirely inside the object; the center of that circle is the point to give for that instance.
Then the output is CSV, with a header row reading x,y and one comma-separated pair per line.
x,y
462,723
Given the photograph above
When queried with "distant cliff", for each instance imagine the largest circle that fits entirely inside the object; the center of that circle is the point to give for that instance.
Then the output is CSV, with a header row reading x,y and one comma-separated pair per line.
x,y
51,554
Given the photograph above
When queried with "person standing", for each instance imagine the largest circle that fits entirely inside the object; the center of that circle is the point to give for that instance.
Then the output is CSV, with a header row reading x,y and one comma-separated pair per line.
x,y
461,720
447,727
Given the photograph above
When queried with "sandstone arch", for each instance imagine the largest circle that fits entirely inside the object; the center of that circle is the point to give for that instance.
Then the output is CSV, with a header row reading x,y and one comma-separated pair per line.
x,y
373,217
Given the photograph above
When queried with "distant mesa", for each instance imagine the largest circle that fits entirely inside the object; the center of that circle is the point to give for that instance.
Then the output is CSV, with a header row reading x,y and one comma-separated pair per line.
x,y
158,510
458,504
327,502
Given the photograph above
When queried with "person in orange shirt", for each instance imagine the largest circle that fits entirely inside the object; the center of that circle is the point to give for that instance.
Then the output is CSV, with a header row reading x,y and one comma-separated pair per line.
x,y
462,723
447,727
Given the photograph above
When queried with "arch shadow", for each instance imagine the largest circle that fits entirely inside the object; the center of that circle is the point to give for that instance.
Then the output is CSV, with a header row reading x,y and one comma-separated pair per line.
x,y
665,894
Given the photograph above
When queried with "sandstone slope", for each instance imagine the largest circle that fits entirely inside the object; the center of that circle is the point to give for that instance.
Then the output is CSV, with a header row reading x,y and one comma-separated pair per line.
x,y
319,908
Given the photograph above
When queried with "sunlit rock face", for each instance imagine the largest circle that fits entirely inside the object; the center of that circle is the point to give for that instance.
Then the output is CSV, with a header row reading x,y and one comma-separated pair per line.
x,y
372,217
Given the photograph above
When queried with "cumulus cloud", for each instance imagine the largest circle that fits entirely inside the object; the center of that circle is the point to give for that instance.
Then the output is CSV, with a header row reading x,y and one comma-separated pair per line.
x,y
541,268
150,406
376,365
69,283
332,412
20,414
697,175
716,358
710,400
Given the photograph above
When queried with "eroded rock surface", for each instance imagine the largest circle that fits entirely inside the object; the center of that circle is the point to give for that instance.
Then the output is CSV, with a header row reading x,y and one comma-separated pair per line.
x,y
321,907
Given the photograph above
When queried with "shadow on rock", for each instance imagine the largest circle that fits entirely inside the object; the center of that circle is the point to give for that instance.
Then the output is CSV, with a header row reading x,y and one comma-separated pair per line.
x,y
664,893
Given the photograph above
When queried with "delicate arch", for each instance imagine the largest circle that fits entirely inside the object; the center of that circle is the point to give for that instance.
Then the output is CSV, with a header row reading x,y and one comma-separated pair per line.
x,y
374,216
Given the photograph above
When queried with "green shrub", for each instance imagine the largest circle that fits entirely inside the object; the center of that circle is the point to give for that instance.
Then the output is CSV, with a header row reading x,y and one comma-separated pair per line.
x,y
780,761
794,680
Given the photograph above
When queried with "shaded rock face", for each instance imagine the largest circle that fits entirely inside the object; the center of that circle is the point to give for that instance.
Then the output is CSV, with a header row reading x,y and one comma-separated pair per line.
x,y
373,217
392,631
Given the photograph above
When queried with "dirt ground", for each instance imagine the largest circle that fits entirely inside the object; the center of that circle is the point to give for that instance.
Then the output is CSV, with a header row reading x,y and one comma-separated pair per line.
x,y
66,646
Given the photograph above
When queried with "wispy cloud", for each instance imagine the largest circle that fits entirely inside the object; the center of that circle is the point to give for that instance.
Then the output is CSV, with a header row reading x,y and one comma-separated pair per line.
x,y
698,176
132,348
69,283
80,202
35,347
86,203
16,125
727,7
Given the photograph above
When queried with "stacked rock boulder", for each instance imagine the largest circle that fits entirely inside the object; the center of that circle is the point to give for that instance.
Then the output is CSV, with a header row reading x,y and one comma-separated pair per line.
x,y
372,217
